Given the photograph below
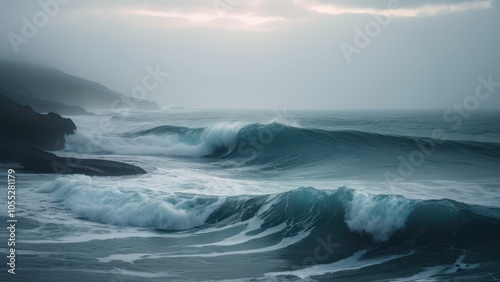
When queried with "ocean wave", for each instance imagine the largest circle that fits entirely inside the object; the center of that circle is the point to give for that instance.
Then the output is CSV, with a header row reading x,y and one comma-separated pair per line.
x,y
353,218
173,141
116,206
317,153
237,139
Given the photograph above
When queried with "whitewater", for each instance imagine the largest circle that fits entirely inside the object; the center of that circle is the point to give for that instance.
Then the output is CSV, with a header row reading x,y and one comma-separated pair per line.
x,y
236,195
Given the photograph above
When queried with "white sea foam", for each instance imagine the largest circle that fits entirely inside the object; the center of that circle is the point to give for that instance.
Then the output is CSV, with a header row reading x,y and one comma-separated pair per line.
x,y
112,205
243,236
133,257
351,263
433,273
221,135
379,216
286,242
115,234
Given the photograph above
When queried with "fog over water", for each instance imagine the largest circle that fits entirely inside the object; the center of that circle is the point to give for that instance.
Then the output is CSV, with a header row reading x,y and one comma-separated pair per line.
x,y
311,54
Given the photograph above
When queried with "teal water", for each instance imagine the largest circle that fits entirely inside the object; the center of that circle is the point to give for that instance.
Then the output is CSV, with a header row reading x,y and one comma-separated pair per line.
x,y
269,196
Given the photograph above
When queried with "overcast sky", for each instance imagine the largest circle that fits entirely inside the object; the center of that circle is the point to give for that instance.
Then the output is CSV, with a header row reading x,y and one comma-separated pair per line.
x,y
270,53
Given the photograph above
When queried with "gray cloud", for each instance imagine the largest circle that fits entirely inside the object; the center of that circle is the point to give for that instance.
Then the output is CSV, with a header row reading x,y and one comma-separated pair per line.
x,y
382,4
429,62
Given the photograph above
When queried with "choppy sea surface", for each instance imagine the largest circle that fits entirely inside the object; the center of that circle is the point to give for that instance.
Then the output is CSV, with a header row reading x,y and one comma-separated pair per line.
x,y
267,196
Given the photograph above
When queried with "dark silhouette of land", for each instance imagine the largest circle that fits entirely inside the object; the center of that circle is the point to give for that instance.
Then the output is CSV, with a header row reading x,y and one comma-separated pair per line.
x,y
47,89
26,135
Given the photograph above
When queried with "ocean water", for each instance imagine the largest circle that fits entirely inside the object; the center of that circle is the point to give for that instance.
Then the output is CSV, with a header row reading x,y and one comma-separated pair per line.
x,y
268,196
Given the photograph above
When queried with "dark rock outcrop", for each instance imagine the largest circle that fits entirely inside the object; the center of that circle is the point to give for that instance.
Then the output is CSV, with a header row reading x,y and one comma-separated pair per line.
x,y
25,134
34,160
22,126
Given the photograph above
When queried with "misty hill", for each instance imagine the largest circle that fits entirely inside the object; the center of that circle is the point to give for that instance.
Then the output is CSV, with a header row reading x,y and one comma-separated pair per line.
x,y
39,105
22,96
41,86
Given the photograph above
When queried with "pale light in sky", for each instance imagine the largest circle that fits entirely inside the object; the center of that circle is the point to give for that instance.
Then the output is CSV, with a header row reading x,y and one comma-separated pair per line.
x,y
272,53
212,19
395,9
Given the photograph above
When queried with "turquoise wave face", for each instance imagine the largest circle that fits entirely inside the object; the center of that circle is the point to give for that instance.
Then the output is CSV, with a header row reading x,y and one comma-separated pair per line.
x,y
307,152
355,218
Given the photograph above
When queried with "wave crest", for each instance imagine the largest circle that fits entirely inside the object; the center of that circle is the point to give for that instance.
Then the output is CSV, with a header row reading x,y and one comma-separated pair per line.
x,y
343,213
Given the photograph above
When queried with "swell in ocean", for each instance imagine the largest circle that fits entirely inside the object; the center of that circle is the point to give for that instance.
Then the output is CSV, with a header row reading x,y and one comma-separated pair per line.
x,y
314,227
232,140
278,147
341,233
